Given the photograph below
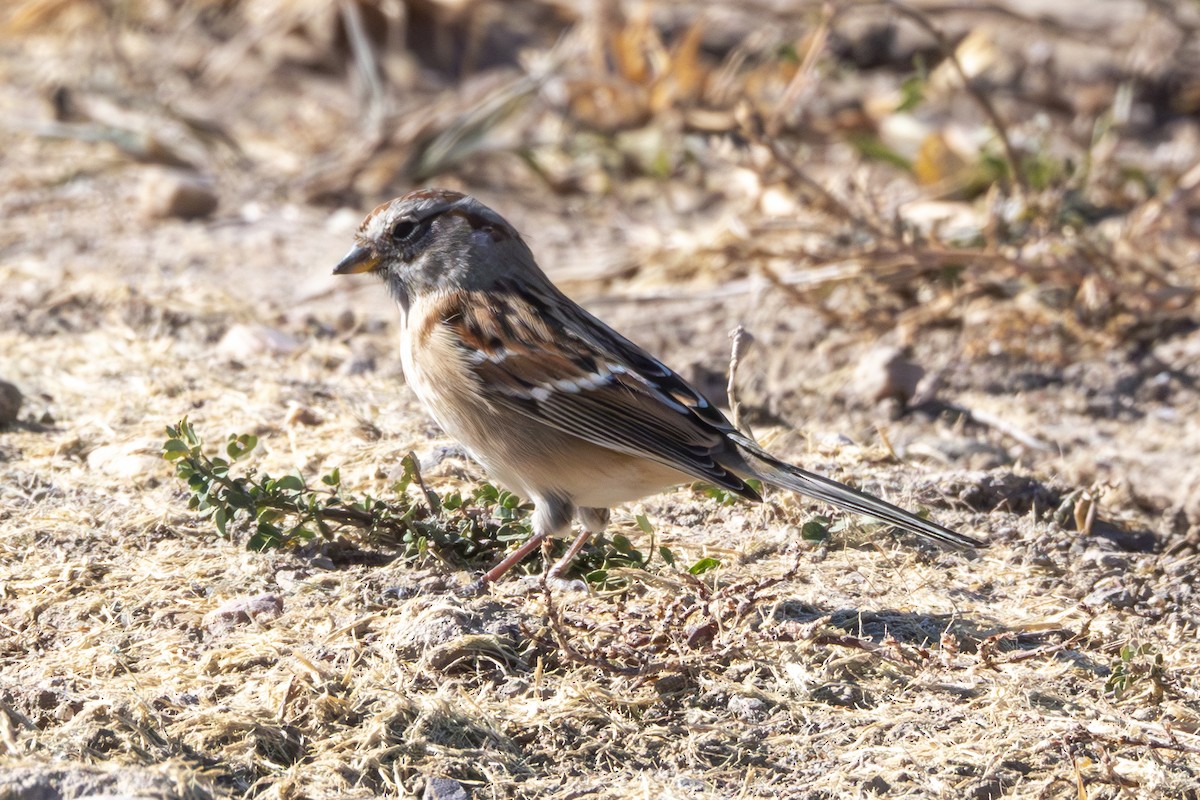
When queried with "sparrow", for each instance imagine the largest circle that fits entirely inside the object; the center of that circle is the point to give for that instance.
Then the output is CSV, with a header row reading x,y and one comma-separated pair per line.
x,y
557,406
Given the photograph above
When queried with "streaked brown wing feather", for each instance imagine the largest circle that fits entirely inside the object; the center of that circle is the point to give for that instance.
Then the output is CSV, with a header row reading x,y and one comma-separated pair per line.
x,y
538,356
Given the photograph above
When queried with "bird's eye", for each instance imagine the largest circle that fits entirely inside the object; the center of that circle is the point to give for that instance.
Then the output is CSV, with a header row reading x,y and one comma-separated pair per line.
x,y
404,230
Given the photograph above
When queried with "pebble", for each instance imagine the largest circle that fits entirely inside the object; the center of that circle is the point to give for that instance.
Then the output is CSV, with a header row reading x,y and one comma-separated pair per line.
x,y
444,789
747,709
246,341
242,611
174,193
885,374
10,403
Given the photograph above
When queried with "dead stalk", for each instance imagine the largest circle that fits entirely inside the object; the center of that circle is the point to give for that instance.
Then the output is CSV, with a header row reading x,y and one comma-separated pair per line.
x,y
741,343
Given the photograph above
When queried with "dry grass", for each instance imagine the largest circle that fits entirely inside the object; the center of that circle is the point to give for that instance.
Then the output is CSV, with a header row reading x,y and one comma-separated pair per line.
x,y
1061,662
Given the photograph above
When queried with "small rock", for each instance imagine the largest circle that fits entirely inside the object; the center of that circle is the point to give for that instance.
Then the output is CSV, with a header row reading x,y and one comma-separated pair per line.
x,y
10,403
1097,559
1118,597
777,201
357,366
885,374
831,440
174,193
301,415
246,341
701,635
965,451
747,709
243,610
878,785
845,695
346,321
950,221
444,789
669,683
67,779
429,624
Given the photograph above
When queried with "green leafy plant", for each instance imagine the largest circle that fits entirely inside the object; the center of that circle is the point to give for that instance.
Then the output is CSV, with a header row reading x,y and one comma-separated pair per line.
x,y
285,511
1136,665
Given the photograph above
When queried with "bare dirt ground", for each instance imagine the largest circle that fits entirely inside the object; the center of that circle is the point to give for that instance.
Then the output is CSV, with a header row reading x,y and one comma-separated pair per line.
x,y
1001,329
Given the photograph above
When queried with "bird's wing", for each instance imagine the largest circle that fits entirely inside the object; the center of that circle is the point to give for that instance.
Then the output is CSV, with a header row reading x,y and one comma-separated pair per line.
x,y
546,358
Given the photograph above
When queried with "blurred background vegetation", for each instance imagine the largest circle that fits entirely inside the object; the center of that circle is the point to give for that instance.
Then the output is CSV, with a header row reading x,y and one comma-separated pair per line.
x,y
999,144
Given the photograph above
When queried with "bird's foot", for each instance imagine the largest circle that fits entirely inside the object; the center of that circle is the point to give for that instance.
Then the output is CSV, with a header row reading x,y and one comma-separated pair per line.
x,y
555,583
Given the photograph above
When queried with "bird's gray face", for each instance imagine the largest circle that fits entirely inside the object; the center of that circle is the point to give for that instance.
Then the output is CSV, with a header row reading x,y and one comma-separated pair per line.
x,y
429,240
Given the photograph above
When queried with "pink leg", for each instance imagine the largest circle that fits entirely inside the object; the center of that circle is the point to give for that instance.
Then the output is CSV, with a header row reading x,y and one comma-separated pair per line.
x,y
512,559
594,521
564,563
551,516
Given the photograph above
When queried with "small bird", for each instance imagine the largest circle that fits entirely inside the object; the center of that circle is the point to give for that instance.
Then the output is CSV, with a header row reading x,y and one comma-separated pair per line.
x,y
557,406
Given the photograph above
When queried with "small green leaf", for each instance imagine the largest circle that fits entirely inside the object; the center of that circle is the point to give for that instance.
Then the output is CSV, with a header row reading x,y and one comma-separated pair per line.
x,y
666,555
174,449
266,537
622,545
644,524
815,530
302,532
704,565
240,500
912,93
410,472
290,483
189,434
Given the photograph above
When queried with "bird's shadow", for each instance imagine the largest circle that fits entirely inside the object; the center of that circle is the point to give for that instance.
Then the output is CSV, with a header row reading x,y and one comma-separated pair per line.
x,y
916,632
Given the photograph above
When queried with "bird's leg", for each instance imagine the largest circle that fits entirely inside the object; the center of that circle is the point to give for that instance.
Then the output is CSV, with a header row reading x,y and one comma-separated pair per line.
x,y
564,563
551,516
512,559
547,550
594,521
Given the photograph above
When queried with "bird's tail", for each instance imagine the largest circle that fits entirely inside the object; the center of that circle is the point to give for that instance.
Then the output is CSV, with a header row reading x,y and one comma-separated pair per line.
x,y
783,475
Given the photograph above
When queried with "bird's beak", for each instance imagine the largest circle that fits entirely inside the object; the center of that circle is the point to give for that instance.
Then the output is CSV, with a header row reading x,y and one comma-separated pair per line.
x,y
359,259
